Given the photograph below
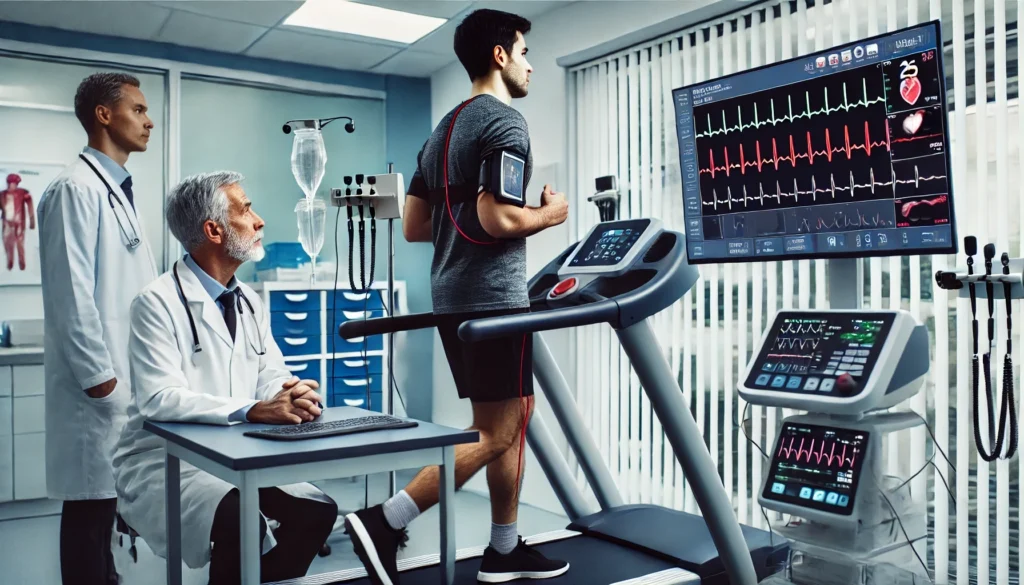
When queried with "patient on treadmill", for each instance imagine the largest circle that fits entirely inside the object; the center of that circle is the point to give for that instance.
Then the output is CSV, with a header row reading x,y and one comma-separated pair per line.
x,y
201,350
478,270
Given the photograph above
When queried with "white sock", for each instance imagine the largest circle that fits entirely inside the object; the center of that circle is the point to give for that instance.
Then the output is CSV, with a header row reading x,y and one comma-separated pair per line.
x,y
504,537
400,510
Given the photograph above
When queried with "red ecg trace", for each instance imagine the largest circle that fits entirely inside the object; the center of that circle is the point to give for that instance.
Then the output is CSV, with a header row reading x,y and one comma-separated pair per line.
x,y
846,147
807,454
909,205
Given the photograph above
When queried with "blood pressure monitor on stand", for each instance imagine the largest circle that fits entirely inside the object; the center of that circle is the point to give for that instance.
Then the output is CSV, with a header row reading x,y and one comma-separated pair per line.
x,y
866,174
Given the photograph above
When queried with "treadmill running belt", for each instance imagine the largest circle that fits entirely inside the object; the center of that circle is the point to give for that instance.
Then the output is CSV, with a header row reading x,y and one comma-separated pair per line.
x,y
591,561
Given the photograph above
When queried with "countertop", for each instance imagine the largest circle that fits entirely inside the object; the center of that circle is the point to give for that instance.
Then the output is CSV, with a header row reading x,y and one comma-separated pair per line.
x,y
21,356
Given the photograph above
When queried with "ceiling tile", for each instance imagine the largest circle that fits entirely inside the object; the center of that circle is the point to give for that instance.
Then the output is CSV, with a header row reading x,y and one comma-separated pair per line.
x,y
139,20
413,64
193,30
440,41
263,13
529,9
445,9
310,49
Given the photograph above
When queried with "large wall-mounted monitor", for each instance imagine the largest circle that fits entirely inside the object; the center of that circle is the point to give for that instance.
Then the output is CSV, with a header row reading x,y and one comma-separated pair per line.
x,y
842,153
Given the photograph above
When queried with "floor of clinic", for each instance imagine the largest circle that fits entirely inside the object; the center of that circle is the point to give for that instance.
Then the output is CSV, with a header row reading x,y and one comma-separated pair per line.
x,y
30,553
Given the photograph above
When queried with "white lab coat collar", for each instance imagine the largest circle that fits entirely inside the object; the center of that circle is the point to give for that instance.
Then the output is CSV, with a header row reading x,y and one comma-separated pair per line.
x,y
201,304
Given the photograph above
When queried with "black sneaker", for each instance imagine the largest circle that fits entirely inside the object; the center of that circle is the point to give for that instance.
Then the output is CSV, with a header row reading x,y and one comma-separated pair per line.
x,y
376,543
522,563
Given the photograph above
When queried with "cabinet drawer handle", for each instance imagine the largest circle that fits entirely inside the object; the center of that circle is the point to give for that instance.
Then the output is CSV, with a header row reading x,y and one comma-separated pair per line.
x,y
353,402
354,363
356,296
296,298
296,340
353,315
356,339
357,382
297,367
296,316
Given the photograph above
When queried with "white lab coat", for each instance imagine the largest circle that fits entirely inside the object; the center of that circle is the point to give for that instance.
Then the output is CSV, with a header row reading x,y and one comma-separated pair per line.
x,y
170,383
89,278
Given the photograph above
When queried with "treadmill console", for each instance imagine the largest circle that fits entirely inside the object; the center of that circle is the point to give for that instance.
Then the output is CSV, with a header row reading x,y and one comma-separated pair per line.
x,y
817,467
610,247
838,362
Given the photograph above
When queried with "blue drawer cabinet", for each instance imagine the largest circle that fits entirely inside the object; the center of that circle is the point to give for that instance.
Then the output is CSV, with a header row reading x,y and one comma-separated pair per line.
x,y
355,367
346,300
376,401
304,322
295,301
298,345
305,369
357,345
336,318
289,324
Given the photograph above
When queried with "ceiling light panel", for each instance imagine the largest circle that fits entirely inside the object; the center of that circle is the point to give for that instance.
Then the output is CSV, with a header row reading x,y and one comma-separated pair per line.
x,y
363,20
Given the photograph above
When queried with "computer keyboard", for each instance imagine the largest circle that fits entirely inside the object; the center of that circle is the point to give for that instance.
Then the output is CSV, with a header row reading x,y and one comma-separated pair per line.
x,y
315,430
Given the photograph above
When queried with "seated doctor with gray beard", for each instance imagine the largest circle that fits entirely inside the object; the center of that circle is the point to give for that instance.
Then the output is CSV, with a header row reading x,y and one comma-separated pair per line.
x,y
238,376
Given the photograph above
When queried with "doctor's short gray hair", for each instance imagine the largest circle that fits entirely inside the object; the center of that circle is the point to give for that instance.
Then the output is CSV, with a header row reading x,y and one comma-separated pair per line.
x,y
195,200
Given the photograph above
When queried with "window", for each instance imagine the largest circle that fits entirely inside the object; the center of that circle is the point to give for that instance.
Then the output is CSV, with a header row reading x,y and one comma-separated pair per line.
x,y
623,126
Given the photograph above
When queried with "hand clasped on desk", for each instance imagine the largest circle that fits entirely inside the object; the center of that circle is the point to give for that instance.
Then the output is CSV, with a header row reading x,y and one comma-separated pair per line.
x,y
297,402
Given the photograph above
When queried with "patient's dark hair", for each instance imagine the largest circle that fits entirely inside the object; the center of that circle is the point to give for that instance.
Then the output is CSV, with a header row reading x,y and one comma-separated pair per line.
x,y
100,89
481,31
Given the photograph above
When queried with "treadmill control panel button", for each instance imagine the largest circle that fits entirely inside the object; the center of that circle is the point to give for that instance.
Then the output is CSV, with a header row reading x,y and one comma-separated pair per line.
x,y
563,287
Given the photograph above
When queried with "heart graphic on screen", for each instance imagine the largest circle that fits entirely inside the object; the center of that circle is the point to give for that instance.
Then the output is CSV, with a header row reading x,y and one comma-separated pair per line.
x,y
912,123
910,89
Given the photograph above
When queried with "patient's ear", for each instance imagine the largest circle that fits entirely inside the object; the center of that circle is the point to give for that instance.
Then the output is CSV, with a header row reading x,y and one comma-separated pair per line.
x,y
213,232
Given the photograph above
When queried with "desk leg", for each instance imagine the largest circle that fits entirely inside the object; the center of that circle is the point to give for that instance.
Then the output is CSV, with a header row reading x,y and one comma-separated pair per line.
x,y
448,515
173,509
250,531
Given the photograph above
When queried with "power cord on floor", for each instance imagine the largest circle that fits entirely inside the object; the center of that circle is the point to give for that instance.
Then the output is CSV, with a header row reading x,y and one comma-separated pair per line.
x,y
902,528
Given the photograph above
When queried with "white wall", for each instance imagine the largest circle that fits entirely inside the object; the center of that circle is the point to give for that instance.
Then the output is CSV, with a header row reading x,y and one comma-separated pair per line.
x,y
562,32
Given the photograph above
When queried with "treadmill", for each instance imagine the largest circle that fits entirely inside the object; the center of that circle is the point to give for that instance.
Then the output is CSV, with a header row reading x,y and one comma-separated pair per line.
x,y
621,274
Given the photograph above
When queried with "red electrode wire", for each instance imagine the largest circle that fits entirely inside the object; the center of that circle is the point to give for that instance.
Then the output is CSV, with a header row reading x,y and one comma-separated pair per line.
x,y
447,202
522,358
524,410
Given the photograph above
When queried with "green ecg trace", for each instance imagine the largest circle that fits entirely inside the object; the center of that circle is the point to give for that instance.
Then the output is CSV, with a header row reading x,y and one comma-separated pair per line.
x,y
757,123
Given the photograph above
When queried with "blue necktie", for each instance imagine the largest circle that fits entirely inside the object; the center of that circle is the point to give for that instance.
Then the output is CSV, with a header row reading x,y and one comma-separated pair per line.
x,y
126,186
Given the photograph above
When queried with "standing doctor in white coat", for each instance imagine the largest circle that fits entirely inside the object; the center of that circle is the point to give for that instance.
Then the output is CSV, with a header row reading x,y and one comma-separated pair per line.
x,y
94,260
238,375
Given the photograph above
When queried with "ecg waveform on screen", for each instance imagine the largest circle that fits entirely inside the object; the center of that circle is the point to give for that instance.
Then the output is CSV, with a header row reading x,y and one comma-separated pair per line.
x,y
810,155
833,188
796,343
840,221
801,328
835,454
846,106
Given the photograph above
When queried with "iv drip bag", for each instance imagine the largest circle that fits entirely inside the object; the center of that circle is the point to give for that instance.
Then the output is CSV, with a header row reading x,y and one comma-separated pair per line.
x,y
311,216
309,160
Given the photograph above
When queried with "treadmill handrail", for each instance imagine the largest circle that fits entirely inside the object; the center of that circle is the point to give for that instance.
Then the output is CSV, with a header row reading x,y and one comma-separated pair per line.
x,y
382,325
508,325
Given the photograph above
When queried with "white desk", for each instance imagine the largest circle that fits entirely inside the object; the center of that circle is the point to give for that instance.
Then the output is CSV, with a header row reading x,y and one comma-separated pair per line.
x,y
249,464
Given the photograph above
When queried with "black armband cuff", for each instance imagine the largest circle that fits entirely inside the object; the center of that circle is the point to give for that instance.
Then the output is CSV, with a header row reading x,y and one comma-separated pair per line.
x,y
503,174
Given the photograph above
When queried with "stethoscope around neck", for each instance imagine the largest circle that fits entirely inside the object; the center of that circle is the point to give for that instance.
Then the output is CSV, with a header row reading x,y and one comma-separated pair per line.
x,y
133,241
240,298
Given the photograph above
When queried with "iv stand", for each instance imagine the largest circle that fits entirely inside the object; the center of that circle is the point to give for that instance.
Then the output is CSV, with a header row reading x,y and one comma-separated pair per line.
x,y
391,334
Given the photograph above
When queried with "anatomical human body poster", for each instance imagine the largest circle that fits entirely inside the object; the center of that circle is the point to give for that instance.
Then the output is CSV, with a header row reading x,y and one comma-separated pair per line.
x,y
23,185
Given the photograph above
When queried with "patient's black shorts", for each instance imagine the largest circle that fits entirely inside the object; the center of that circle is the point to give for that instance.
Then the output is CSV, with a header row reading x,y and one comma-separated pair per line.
x,y
490,370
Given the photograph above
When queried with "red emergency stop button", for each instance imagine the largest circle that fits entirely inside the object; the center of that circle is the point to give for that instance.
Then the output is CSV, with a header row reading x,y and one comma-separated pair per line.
x,y
563,287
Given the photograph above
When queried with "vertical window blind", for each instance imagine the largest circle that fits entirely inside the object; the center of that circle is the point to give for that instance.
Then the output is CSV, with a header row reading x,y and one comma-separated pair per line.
x,y
624,124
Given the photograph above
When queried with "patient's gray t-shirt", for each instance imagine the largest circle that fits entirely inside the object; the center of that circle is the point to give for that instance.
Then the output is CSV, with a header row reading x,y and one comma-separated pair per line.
x,y
466,276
